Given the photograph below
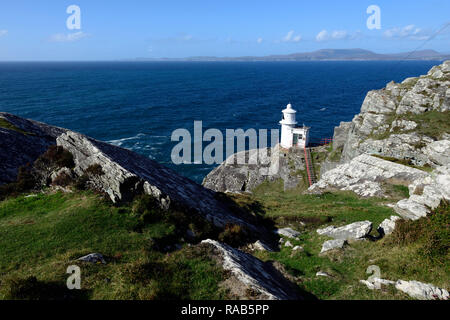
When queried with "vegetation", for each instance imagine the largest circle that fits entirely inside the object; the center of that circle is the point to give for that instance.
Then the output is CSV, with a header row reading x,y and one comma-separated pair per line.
x,y
405,162
417,250
7,125
43,234
432,123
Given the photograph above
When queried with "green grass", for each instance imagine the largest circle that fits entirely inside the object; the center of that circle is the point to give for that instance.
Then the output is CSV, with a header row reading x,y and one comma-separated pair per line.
x,y
413,260
405,162
43,234
7,125
432,123
340,207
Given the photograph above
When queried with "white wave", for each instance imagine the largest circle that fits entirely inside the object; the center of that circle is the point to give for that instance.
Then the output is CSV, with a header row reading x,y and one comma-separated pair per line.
x,y
119,142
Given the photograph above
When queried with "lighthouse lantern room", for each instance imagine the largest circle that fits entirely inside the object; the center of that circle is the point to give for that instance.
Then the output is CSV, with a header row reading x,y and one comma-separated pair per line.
x,y
291,135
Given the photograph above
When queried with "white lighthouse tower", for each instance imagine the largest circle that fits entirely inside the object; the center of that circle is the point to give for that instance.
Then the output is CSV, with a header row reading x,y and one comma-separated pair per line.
x,y
292,136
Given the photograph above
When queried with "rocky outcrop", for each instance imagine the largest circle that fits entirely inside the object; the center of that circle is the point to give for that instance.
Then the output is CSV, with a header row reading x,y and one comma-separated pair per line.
x,y
251,275
364,176
422,291
125,173
354,231
391,120
260,165
426,194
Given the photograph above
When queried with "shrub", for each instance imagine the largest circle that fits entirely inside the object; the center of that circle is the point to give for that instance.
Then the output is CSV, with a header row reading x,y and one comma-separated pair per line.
x,y
58,156
25,181
147,209
95,170
81,182
235,235
431,232
63,180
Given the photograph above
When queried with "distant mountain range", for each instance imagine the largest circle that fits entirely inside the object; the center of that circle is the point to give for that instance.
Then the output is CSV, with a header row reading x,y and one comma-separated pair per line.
x,y
321,55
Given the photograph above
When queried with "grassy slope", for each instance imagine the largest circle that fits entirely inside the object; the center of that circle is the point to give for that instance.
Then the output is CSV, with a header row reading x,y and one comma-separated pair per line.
x,y
43,234
397,261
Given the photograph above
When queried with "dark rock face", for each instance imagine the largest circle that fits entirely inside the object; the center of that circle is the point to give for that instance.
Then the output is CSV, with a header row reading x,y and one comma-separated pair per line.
x,y
126,173
23,144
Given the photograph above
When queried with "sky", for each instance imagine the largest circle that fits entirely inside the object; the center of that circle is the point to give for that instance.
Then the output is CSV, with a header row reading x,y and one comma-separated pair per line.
x,y
116,29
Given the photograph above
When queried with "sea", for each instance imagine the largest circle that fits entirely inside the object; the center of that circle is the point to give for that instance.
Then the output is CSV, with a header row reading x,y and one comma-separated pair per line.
x,y
138,105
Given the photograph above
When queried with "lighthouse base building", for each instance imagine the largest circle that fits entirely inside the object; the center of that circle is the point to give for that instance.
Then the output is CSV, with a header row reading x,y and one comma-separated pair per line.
x,y
291,135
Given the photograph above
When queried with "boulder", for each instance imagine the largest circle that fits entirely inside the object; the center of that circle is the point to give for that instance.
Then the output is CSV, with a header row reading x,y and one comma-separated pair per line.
x,y
332,244
388,225
354,231
251,274
93,258
261,246
288,232
422,291
425,194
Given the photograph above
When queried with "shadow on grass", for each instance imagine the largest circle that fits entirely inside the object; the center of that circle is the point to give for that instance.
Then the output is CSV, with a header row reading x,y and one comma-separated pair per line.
x,y
33,289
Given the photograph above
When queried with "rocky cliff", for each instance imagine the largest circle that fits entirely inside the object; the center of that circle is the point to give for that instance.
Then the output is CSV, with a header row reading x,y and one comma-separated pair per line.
x,y
125,173
408,120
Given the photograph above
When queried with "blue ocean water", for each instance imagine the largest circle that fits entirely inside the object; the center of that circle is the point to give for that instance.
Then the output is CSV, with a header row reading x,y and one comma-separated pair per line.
x,y
137,105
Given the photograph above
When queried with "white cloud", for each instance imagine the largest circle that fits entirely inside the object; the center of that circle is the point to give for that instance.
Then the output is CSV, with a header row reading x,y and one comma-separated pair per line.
x,y
324,35
3,33
259,40
339,34
297,38
70,37
289,37
407,32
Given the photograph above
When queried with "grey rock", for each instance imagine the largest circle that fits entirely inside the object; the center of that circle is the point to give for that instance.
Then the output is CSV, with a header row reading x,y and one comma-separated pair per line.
x,y
288,244
261,246
388,225
381,127
261,165
377,283
438,152
332,244
425,194
364,175
297,248
322,274
340,134
422,291
353,231
251,273
287,232
93,258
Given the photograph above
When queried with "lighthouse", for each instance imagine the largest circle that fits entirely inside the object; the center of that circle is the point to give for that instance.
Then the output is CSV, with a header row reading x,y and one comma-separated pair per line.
x,y
291,135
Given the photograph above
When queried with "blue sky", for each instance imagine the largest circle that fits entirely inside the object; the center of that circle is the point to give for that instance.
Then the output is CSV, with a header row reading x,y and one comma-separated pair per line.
x,y
36,30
